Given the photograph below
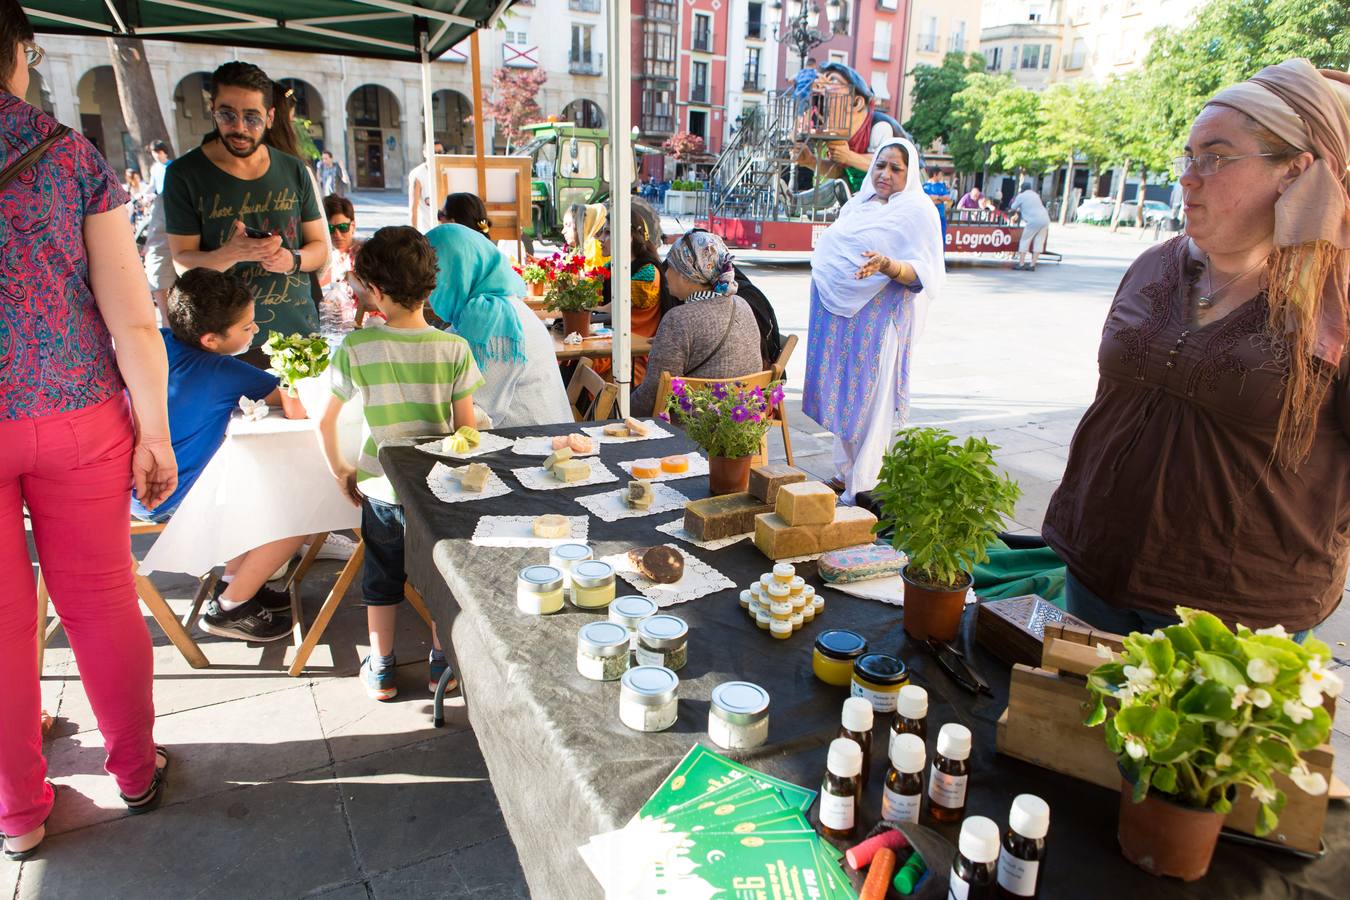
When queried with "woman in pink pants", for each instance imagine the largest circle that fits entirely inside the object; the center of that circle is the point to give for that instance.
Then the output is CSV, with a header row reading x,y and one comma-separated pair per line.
x,y
80,423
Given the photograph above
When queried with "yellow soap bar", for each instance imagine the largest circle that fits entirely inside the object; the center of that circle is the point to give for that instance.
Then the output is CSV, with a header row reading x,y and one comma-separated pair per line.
x,y
639,495
777,539
476,477
562,454
572,470
852,525
806,503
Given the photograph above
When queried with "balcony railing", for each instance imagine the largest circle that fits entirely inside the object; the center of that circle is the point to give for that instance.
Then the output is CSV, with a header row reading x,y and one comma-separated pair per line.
x,y
654,124
592,6
589,64
881,50
698,93
659,68
754,81
703,43
928,43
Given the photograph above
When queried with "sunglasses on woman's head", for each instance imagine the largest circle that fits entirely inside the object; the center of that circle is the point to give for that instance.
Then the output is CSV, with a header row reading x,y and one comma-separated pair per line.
x,y
33,54
343,227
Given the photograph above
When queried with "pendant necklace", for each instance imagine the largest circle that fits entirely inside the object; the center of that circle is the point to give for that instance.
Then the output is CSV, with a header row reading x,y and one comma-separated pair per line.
x,y
1206,300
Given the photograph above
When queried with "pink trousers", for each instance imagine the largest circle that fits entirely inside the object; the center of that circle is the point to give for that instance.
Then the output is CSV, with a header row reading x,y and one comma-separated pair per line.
x,y
73,473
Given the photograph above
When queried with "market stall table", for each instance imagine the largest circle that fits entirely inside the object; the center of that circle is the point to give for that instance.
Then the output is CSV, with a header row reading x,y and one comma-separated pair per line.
x,y
565,768
596,347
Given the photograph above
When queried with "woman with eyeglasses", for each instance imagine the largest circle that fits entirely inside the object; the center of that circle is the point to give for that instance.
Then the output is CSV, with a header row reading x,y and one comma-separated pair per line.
x,y
83,418
1213,468
341,217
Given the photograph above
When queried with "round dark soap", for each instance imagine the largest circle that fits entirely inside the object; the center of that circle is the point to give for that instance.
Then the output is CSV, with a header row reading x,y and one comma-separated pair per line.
x,y
661,565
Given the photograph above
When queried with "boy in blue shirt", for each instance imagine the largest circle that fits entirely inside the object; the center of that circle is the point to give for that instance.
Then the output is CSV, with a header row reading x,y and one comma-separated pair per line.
x,y
210,322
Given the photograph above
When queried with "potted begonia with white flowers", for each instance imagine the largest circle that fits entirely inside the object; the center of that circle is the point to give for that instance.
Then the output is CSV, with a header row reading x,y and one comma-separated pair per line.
x,y
1194,711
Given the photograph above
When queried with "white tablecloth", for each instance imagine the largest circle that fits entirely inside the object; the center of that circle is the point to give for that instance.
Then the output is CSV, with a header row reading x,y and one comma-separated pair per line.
x,y
267,481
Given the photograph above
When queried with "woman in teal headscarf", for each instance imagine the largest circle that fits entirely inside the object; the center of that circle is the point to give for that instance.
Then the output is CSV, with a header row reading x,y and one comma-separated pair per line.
x,y
479,296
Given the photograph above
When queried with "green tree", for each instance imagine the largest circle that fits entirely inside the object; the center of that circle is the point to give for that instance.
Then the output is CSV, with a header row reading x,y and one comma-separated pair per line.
x,y
970,153
1012,128
934,88
1072,127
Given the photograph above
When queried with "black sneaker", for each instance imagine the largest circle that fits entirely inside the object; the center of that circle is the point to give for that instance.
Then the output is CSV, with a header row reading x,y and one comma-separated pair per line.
x,y
276,602
246,622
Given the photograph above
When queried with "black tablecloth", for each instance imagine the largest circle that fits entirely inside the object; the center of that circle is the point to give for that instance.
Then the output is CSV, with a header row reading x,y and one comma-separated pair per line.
x,y
564,766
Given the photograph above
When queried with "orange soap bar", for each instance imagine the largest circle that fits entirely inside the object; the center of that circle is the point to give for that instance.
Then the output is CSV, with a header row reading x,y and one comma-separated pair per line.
x,y
646,468
675,464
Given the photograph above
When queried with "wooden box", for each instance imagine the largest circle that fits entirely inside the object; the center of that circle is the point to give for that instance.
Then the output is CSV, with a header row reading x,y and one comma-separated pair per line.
x,y
1014,629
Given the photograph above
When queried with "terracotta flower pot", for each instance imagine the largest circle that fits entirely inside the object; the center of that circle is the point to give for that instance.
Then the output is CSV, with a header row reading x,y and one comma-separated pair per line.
x,y
578,322
537,289
291,407
1166,838
728,474
933,613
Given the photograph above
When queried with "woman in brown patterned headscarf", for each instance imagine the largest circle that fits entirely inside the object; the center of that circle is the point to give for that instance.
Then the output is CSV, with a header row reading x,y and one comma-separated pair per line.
x,y
1213,468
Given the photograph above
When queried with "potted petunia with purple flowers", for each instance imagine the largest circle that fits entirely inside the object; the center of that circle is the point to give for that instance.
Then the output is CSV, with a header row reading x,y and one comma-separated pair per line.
x,y
728,420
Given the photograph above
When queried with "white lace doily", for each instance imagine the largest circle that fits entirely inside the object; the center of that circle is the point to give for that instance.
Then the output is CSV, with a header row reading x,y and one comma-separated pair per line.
x,y
654,433
488,443
699,579
537,478
698,465
676,530
610,506
543,446
446,486
518,531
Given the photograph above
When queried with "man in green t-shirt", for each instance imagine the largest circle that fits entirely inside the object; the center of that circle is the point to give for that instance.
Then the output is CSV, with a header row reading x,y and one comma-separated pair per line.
x,y
234,185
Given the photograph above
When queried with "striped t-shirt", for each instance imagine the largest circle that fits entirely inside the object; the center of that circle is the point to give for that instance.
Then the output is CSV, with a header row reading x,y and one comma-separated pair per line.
x,y
408,379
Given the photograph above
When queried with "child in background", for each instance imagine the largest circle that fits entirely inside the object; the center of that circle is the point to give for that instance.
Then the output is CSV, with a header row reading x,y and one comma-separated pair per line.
x,y
414,380
210,322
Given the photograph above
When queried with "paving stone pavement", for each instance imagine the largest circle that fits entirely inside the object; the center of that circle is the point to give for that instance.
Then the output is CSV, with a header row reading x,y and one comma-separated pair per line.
x,y
303,787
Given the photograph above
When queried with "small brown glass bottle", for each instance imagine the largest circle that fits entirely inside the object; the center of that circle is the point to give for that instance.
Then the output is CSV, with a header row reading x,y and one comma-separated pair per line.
x,y
973,872
856,725
950,773
1019,865
911,713
842,789
902,794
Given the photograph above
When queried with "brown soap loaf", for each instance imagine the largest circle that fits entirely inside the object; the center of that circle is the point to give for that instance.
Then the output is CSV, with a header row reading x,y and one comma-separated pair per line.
x,y
766,480
852,526
806,503
713,518
777,539
660,565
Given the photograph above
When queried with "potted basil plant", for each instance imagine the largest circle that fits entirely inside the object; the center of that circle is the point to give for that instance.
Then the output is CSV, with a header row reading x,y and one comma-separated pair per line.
x,y
1193,712
296,359
945,500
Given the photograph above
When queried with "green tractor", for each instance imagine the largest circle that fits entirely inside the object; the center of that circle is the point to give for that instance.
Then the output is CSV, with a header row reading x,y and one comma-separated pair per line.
x,y
571,165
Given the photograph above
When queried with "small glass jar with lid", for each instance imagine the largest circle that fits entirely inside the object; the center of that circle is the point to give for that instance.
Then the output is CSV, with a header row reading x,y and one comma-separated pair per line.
x,y
602,651
564,556
781,610
738,716
834,655
781,628
764,581
539,590
797,586
763,619
798,619
783,573
779,591
808,613
745,599
663,640
818,602
592,584
647,700
879,677
629,611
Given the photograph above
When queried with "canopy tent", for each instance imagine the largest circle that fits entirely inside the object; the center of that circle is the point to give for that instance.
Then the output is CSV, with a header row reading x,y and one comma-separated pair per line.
x,y
418,31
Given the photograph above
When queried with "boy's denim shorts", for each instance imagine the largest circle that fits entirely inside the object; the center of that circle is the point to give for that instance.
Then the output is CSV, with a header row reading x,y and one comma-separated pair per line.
x,y
382,526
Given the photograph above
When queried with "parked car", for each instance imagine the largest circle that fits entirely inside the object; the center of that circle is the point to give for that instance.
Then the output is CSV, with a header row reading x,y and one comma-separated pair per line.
x,y
1097,211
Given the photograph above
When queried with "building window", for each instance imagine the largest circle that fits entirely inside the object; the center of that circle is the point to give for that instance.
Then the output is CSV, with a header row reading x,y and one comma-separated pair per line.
x,y
1012,58
752,60
698,90
754,21
664,10
928,36
1045,56
958,36
995,59
839,56
365,105
703,32
881,86
698,123
581,44
881,41
1031,56
888,4
592,6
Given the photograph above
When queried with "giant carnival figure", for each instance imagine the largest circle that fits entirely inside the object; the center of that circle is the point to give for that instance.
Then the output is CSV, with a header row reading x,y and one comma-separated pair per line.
x,y
839,102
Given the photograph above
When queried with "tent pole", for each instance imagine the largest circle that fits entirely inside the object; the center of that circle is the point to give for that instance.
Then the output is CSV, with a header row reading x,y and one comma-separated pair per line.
x,y
620,193
428,119
478,115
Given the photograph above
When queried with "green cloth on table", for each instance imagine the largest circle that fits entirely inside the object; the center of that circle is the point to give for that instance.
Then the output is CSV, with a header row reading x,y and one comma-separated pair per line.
x,y
1014,573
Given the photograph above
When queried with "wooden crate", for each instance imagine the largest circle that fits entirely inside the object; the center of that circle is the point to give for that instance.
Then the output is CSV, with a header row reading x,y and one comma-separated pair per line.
x,y
1043,725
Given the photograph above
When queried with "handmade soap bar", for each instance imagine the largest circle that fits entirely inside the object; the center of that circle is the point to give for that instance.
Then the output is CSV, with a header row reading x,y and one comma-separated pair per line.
x,y
852,526
616,430
806,503
454,443
777,539
646,468
636,428
639,495
476,477
580,443
470,435
766,480
561,454
551,526
861,563
659,565
572,470
713,518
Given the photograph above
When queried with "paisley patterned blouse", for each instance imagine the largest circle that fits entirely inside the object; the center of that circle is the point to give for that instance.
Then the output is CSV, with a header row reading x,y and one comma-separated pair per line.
x,y
55,351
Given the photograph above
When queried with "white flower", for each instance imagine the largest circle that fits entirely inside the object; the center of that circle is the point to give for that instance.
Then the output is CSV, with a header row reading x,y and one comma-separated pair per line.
x,y
1124,695
1261,671
1104,652
1272,631
1136,749
1226,729
1140,678
1199,677
1223,761
1311,782
1158,635
1317,680
1240,696
1262,794
1309,689
1297,712
1261,698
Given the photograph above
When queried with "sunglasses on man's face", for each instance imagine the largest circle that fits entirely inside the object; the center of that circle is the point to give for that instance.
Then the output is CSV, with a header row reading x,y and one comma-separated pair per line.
x,y
343,227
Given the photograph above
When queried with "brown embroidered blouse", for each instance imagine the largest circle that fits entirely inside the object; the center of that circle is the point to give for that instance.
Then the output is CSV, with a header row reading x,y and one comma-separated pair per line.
x,y
1168,498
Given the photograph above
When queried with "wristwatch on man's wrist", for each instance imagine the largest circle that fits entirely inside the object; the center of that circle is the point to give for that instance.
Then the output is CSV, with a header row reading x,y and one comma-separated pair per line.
x,y
296,254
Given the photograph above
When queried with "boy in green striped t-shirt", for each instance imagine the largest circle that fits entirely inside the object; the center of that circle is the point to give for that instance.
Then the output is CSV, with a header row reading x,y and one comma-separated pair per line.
x,y
414,380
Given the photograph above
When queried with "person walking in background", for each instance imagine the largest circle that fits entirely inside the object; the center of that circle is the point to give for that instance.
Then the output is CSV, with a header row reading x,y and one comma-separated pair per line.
x,y
83,419
158,261
332,180
873,272
212,221
936,187
970,199
1029,208
422,214
162,156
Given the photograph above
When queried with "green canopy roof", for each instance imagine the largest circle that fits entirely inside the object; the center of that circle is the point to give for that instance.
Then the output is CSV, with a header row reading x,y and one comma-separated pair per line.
x,y
385,29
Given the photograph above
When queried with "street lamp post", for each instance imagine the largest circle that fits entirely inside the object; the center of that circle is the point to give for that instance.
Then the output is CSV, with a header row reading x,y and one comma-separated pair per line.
x,y
800,33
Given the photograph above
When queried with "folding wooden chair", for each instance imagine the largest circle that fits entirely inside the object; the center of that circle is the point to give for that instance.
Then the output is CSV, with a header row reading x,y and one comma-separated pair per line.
x,y
758,379
149,595
598,393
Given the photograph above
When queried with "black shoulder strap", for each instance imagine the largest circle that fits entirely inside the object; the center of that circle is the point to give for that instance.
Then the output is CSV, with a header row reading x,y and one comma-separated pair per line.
x,y
21,165
720,344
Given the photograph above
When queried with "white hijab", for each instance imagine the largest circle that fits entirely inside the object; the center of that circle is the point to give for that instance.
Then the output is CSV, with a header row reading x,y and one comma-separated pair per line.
x,y
905,228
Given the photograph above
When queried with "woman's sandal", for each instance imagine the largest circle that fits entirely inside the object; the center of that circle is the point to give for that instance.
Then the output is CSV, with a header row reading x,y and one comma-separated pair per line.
x,y
149,800
837,485
21,855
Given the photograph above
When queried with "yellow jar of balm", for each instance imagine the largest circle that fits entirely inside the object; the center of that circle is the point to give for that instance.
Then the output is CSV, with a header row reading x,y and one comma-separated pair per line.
x,y
834,654
592,584
539,590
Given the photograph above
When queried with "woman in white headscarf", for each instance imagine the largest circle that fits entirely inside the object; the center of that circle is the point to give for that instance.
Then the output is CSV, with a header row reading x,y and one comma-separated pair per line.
x,y
872,273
